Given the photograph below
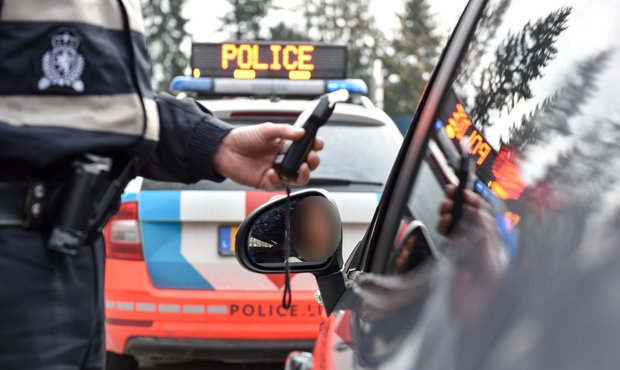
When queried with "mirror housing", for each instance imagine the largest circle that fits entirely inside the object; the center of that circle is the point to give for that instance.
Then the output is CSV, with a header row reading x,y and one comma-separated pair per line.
x,y
328,274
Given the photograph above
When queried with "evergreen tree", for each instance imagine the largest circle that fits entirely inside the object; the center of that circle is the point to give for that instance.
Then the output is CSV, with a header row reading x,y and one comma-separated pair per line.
x,y
411,58
244,21
333,21
551,118
527,132
485,33
349,22
581,176
282,32
165,31
586,164
519,60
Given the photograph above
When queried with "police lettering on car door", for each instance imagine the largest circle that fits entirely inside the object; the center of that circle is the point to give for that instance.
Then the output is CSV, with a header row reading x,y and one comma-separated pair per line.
x,y
274,310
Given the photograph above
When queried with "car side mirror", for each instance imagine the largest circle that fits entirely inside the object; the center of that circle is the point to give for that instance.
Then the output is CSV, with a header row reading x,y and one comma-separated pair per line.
x,y
413,249
316,235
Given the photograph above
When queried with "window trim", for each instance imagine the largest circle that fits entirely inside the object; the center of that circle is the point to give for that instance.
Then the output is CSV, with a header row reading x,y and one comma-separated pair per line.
x,y
386,220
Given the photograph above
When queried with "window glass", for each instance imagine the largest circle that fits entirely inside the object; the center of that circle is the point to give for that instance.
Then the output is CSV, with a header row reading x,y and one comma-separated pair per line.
x,y
425,200
536,98
360,153
536,104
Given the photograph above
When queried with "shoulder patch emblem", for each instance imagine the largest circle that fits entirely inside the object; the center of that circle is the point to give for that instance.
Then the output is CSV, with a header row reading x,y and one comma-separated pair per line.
x,y
63,65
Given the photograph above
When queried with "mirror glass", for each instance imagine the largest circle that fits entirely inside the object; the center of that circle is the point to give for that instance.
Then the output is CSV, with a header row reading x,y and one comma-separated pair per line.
x,y
315,232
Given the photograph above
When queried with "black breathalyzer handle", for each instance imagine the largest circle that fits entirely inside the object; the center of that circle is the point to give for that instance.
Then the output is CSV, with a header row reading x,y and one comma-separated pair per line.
x,y
298,150
458,202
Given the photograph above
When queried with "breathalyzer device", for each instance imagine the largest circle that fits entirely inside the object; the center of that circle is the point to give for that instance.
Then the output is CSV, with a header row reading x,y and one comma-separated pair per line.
x,y
293,153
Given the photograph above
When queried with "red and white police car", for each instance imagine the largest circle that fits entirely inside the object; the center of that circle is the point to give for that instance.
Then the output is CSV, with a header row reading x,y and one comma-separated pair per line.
x,y
174,290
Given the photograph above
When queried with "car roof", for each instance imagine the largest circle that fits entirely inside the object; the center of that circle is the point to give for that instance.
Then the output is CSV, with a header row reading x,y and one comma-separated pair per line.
x,y
344,112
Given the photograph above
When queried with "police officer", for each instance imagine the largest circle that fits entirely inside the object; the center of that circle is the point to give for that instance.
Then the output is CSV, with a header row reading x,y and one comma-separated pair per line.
x,y
78,119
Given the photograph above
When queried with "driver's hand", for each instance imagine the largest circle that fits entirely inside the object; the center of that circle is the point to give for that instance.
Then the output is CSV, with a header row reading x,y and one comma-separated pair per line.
x,y
472,204
477,253
247,153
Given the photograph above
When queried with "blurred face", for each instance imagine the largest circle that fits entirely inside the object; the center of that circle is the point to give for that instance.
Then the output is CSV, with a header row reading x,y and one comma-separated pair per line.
x,y
315,231
402,260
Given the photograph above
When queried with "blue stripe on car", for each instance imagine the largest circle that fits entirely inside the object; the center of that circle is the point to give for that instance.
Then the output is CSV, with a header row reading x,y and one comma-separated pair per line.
x,y
162,251
160,205
159,212
129,197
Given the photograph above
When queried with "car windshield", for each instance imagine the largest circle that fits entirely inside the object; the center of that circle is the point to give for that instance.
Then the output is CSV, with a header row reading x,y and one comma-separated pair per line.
x,y
356,157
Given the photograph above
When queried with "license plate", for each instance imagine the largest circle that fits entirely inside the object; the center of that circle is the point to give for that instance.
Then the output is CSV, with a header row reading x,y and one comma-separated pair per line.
x,y
226,242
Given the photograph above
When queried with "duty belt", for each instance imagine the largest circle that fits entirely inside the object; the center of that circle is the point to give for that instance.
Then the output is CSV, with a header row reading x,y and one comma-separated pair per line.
x,y
23,203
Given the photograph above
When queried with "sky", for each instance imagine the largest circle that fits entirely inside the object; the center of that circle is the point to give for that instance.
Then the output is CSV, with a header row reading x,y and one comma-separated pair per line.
x,y
203,16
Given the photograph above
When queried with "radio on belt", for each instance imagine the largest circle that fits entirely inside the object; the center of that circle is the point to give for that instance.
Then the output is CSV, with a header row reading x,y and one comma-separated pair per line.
x,y
292,154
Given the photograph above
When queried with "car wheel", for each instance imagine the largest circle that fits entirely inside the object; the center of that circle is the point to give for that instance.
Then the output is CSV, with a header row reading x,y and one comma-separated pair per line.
x,y
115,361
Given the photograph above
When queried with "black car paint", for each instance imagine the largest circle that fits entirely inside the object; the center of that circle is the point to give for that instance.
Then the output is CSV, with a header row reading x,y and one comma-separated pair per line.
x,y
572,325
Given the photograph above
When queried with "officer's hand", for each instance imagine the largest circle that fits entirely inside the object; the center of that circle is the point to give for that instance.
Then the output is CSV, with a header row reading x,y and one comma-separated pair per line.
x,y
247,153
471,206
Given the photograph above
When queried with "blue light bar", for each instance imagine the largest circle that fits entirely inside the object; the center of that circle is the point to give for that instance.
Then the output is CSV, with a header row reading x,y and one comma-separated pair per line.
x,y
485,192
188,83
218,86
352,85
438,125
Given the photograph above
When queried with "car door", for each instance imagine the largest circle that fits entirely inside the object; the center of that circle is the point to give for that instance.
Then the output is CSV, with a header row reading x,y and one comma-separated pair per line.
x,y
521,289
522,281
367,327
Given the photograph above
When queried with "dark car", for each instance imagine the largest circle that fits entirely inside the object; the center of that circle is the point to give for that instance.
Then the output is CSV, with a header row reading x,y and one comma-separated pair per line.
x,y
526,274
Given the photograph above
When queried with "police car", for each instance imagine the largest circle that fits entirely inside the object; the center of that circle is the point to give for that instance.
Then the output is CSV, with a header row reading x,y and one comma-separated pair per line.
x,y
173,289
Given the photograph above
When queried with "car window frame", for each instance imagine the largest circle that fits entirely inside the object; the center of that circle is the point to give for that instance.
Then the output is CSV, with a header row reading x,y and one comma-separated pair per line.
x,y
385,221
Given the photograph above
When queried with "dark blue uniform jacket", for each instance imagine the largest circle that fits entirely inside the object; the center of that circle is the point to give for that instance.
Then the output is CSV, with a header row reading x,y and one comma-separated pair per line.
x,y
74,78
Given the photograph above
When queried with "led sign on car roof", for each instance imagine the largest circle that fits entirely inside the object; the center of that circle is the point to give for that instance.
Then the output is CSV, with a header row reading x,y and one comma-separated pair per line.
x,y
268,69
498,171
247,61
459,125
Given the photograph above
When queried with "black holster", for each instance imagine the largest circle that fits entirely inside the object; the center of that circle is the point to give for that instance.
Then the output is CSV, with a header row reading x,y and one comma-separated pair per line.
x,y
89,198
